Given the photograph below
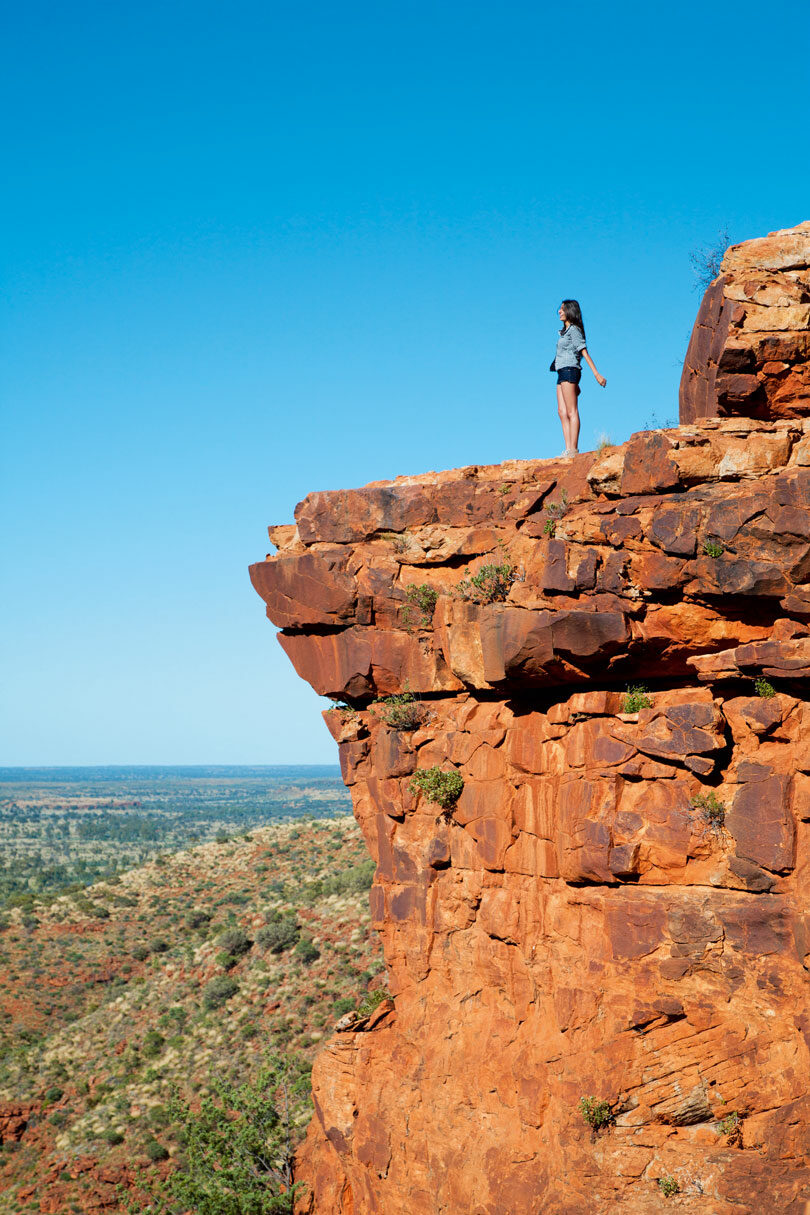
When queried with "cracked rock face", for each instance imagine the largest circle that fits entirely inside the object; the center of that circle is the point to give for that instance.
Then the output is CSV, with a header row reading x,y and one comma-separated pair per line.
x,y
618,904
749,354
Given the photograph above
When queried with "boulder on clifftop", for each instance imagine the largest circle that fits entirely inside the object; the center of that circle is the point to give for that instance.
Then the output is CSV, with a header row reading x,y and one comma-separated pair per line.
x,y
749,354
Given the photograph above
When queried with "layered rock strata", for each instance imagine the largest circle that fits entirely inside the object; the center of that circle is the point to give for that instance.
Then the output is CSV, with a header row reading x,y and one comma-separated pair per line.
x,y
749,353
617,904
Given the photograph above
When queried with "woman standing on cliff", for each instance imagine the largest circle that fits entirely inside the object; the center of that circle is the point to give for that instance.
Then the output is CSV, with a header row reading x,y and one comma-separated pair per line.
x,y
570,349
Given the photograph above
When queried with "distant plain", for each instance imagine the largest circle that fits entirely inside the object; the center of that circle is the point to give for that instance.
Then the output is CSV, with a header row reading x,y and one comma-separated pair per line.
x,y
160,929
60,827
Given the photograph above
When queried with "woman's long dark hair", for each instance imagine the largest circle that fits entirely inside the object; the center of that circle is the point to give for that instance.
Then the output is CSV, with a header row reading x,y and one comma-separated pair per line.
x,y
572,314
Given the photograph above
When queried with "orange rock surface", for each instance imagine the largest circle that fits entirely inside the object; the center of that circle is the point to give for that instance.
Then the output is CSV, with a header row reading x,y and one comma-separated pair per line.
x,y
749,353
618,904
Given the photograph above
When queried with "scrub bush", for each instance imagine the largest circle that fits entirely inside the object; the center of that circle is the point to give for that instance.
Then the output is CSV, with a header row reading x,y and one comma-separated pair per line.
x,y
636,698
713,811
234,942
420,606
280,935
401,711
596,1113
219,991
306,951
443,788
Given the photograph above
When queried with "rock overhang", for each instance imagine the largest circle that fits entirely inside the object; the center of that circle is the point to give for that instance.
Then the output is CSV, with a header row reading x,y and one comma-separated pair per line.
x,y
624,563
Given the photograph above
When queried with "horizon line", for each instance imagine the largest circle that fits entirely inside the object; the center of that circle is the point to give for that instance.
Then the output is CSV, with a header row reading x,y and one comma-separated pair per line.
x,y
54,767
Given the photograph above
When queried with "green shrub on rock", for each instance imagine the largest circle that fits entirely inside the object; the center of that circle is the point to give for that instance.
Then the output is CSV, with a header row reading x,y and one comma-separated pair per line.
x,y
372,1001
731,1126
443,788
491,584
402,711
555,512
421,600
596,1113
636,698
711,808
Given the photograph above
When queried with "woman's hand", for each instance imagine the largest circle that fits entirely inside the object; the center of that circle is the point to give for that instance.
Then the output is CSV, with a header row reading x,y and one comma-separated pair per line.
x,y
600,379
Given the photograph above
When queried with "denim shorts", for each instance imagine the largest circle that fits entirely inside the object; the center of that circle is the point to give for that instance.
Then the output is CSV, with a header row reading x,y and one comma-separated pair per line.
x,y
569,375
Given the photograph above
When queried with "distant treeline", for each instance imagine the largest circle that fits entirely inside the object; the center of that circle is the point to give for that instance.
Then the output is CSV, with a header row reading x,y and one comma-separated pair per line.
x,y
57,834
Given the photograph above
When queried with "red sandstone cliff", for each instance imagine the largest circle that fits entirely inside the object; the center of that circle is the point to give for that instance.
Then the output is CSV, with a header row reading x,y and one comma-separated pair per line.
x,y
576,924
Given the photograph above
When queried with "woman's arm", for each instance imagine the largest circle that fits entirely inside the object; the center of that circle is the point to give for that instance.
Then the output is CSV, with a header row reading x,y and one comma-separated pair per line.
x,y
600,379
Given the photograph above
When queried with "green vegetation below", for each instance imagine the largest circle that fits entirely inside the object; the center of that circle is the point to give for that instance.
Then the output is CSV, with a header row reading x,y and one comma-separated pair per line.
x,y
145,993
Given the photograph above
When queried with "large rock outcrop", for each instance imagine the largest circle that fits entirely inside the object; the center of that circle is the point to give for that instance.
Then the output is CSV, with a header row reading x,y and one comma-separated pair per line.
x,y
749,354
618,904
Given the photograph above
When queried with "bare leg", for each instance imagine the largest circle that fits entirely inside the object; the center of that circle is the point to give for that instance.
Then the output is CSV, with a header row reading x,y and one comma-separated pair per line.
x,y
562,410
570,392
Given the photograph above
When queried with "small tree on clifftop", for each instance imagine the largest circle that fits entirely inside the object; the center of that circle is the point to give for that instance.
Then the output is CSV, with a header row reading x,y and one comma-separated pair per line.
x,y
707,260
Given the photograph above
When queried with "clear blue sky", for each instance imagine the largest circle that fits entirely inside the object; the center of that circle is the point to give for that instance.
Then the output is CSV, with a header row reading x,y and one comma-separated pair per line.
x,y
251,250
